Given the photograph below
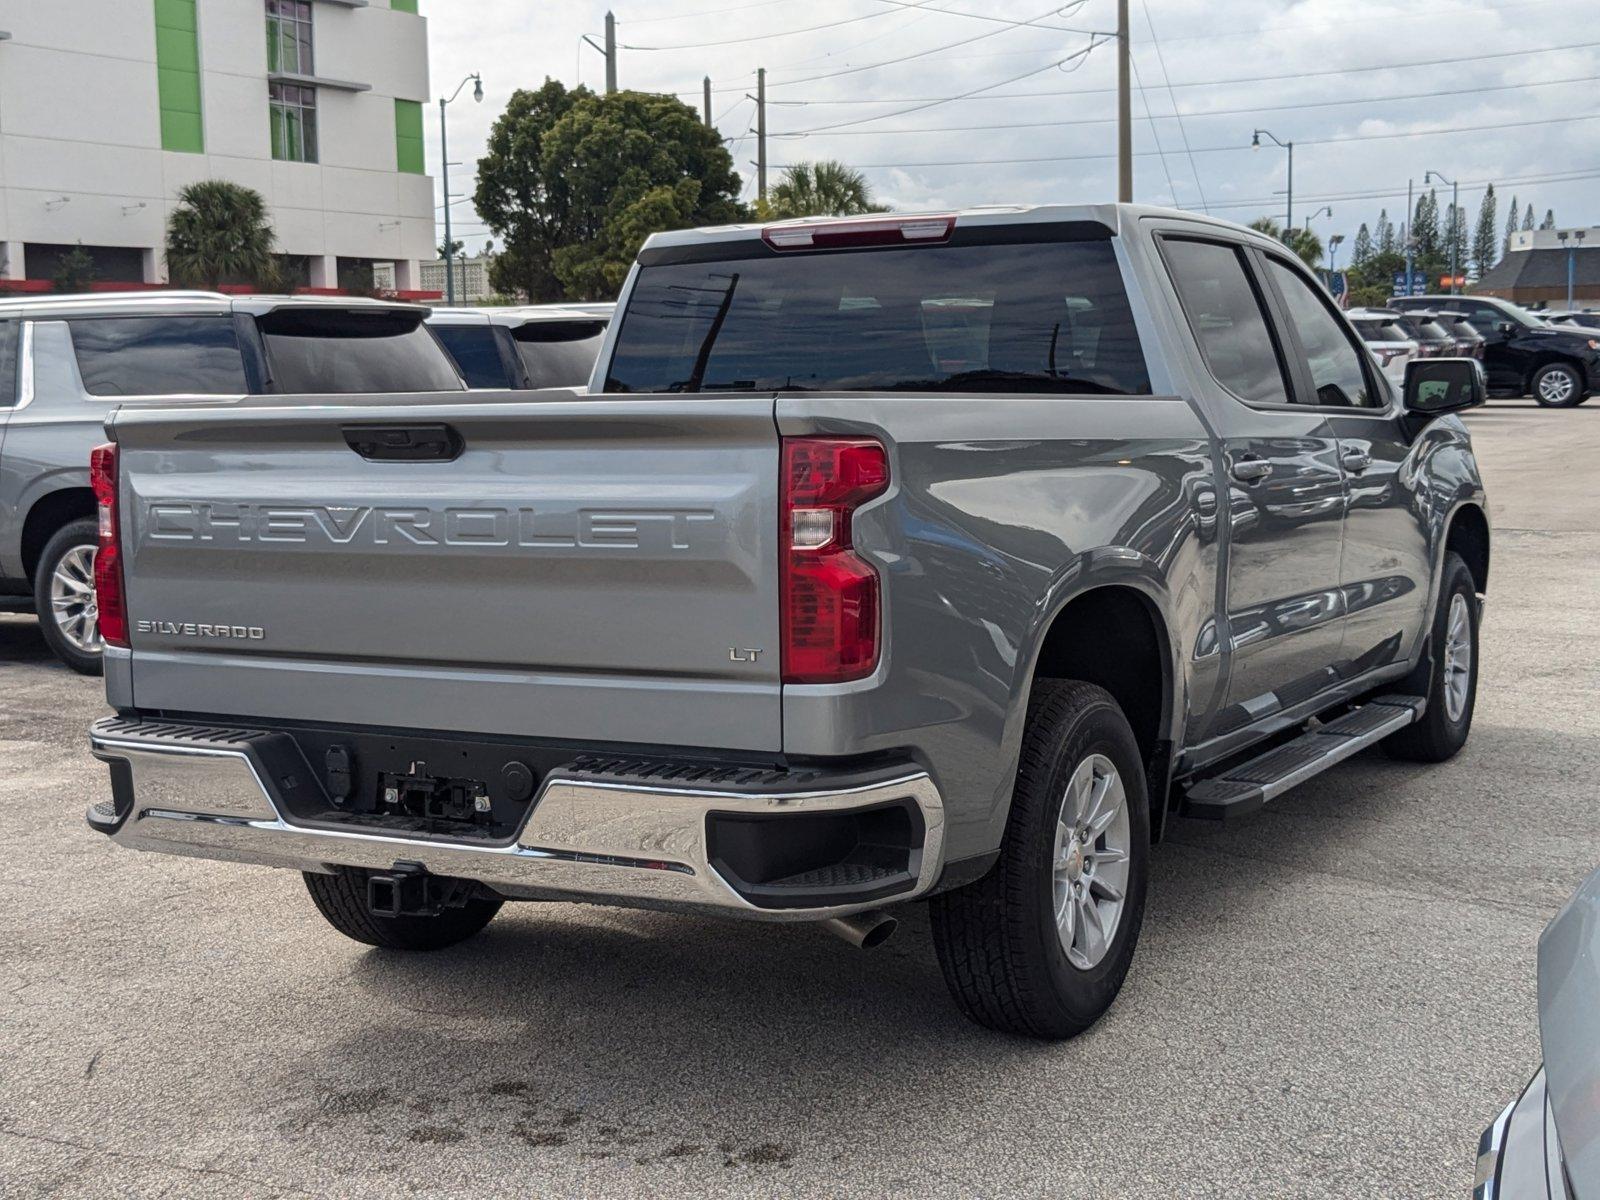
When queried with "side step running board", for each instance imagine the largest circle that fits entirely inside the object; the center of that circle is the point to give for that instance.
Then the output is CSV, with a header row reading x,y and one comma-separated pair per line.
x,y
1245,788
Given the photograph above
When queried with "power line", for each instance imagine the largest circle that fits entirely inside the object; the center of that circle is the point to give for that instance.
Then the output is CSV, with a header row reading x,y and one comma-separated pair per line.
x,y
705,12
1216,112
1401,66
1079,55
1172,188
1161,61
762,37
1466,186
1365,137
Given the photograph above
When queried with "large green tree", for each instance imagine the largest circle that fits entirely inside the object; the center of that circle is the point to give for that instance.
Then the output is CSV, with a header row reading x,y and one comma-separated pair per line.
x,y
218,233
526,205
826,188
1362,249
573,183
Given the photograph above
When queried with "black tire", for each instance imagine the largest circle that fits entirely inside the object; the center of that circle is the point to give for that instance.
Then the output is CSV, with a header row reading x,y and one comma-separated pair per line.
x,y
1575,391
997,940
72,536
1438,736
342,899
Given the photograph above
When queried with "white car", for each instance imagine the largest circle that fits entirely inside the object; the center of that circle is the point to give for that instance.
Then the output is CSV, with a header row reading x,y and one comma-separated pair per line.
x,y
1387,340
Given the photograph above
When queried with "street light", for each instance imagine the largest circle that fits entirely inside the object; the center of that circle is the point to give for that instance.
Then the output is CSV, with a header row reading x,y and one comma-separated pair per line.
x,y
1255,144
1456,223
444,172
1333,250
1325,211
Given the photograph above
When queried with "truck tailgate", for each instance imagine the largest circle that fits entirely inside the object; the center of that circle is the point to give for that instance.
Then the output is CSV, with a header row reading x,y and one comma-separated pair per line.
x,y
581,569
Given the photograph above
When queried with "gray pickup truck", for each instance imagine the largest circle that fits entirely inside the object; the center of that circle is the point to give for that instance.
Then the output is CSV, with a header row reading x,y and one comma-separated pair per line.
x,y
887,559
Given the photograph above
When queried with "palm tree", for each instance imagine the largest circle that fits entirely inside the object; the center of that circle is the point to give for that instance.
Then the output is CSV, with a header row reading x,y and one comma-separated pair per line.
x,y
1302,241
218,233
822,189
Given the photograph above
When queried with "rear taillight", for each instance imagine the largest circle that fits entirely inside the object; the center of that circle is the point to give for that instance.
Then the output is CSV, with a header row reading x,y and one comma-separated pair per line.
x,y
108,557
830,593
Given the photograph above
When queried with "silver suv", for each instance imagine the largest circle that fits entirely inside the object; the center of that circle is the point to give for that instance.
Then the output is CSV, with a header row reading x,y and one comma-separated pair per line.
x,y
530,346
67,362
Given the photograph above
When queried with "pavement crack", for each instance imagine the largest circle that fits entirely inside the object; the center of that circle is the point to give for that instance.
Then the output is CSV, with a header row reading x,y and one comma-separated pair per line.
x,y
277,1189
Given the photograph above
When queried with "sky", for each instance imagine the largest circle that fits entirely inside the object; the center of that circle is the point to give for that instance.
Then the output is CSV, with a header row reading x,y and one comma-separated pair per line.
x,y
1372,93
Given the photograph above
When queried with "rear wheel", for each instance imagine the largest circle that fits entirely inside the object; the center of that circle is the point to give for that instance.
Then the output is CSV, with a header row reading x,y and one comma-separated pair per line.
x,y
1558,385
342,899
1040,946
1453,682
63,593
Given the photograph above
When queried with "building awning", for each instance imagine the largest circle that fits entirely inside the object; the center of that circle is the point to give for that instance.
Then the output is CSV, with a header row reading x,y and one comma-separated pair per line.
x,y
345,3
317,81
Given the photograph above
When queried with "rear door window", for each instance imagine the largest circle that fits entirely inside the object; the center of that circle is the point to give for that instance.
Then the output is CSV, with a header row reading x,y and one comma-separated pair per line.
x,y
1338,376
321,352
1228,319
1046,317
158,356
9,331
559,353
476,354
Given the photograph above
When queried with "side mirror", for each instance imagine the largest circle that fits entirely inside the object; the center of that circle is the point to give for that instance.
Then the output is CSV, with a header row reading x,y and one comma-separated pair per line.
x,y
1435,386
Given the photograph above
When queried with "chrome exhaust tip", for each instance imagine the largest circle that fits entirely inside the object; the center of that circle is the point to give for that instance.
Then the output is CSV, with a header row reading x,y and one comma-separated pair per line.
x,y
865,931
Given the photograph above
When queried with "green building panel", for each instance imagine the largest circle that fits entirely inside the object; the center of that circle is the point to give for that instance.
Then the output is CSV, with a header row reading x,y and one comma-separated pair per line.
x,y
178,76
408,137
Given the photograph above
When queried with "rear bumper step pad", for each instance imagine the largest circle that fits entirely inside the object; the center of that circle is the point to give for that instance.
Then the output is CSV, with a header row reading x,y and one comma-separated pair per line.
x,y
1248,786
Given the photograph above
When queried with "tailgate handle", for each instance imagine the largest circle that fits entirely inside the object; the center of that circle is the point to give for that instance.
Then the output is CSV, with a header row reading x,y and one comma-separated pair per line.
x,y
404,443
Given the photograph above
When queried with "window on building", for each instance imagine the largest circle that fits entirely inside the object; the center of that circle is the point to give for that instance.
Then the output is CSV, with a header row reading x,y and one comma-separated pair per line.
x,y
159,356
294,122
289,37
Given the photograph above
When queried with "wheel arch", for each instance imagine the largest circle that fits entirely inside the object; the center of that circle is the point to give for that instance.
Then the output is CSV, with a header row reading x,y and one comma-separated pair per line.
x,y
1468,535
1130,655
1547,358
48,514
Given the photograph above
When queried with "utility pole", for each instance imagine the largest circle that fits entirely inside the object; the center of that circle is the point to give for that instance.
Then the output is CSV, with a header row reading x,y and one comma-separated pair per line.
x,y
1288,215
1410,238
1124,109
611,53
708,101
761,133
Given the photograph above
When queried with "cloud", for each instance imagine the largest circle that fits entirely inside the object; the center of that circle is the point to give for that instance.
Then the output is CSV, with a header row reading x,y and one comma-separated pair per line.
x,y
815,78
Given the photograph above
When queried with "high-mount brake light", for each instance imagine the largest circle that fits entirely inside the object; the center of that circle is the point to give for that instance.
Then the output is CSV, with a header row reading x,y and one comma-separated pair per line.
x,y
843,235
830,593
108,592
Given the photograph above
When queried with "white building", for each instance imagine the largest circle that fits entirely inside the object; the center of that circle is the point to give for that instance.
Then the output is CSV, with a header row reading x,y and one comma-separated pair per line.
x,y
108,107
1554,239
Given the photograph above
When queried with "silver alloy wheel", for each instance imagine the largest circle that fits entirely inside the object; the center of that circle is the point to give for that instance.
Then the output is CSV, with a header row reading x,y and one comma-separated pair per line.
x,y
1090,861
1457,657
1556,387
72,600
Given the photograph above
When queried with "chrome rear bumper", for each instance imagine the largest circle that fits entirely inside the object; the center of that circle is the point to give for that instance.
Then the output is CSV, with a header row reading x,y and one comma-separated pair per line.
x,y
201,792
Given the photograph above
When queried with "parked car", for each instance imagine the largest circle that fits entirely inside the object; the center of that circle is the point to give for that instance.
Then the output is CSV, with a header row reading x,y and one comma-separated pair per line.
x,y
67,362
1469,343
1545,1145
1432,338
1558,367
535,346
818,605
1387,339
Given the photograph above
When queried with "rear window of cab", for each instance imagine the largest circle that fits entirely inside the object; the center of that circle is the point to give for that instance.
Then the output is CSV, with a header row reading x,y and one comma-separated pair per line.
x,y
997,318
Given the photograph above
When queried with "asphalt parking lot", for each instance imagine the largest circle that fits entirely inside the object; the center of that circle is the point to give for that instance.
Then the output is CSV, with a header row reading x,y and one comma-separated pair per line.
x,y
1331,998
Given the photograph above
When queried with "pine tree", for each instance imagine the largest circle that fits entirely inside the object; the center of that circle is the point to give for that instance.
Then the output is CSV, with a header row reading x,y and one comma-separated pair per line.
x,y
1511,225
1361,250
1483,236
1385,236
1527,221
1425,230
1549,221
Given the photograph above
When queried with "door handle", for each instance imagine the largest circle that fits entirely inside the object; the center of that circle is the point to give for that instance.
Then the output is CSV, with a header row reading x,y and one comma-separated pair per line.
x,y
1355,459
1250,469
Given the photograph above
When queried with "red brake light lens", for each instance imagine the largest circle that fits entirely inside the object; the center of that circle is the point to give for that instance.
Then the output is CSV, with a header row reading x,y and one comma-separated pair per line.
x,y
875,231
830,593
108,556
